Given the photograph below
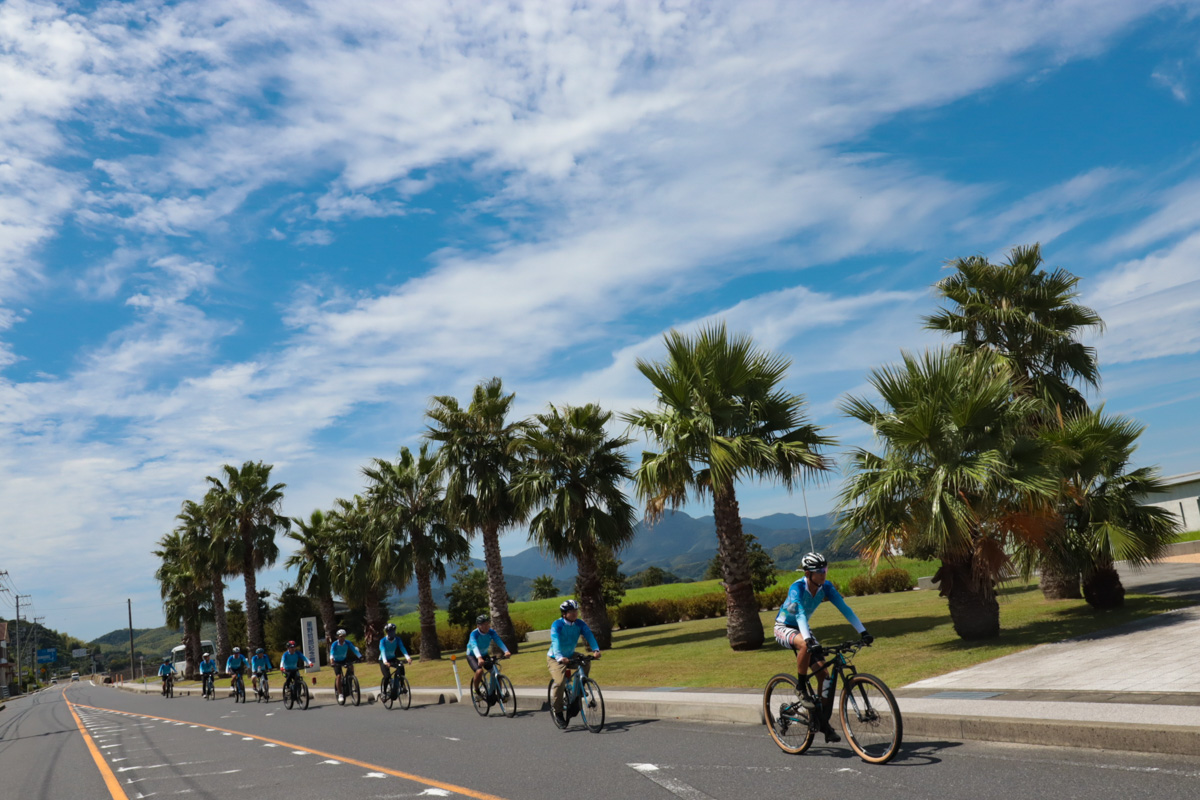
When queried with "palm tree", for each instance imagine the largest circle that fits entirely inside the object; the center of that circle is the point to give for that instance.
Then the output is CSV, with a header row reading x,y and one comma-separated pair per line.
x,y
184,593
210,555
359,571
1105,519
574,474
246,513
960,476
311,560
722,417
481,451
1030,317
408,498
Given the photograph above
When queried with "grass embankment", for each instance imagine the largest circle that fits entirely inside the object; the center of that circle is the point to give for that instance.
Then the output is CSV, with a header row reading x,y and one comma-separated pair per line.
x,y
1189,537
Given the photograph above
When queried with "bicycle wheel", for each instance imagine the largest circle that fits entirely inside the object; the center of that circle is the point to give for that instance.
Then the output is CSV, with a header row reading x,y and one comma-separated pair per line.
x,y
558,723
404,696
871,719
265,685
385,692
289,696
479,697
507,696
788,722
338,687
241,692
591,706
355,692
170,688
304,693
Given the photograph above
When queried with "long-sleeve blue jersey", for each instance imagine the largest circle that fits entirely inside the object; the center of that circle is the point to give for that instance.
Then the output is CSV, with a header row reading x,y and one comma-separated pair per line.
x,y
338,651
478,643
294,660
261,663
207,666
801,603
236,661
391,647
166,669
565,635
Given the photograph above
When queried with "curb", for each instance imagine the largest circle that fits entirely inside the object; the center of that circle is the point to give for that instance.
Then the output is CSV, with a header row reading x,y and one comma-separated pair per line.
x,y
428,697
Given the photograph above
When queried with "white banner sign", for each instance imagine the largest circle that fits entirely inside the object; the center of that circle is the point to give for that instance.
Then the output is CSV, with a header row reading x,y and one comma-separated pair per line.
x,y
309,642
79,652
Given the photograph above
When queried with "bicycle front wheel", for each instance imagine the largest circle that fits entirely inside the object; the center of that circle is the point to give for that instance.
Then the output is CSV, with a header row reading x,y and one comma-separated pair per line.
x,y
304,693
788,722
479,698
591,705
404,696
355,691
385,693
507,696
266,689
871,719
289,696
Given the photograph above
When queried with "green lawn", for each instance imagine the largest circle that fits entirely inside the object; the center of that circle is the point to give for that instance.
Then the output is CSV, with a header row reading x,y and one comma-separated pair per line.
x,y
1189,537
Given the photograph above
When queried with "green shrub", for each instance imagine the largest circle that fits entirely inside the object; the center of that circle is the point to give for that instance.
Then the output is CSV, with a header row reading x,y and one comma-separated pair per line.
x,y
705,606
772,598
860,585
893,580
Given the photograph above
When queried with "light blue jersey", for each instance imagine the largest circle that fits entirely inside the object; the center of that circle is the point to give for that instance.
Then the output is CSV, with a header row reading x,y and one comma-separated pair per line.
x,y
261,663
801,603
565,635
208,666
339,651
237,661
294,660
166,669
478,643
391,648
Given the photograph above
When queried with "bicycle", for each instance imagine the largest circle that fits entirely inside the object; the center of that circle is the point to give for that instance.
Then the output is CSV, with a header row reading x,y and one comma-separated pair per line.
x,y
868,711
494,689
239,688
352,688
581,696
168,687
395,690
208,689
295,692
262,694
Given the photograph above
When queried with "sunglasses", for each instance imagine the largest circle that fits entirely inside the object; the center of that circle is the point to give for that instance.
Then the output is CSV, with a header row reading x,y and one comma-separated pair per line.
x,y
817,571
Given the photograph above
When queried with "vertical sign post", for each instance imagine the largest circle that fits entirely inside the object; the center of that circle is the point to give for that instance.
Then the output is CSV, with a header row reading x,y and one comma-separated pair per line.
x,y
308,641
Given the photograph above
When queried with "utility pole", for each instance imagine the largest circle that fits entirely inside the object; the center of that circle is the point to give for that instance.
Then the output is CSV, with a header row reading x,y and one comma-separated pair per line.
x,y
129,602
17,623
36,621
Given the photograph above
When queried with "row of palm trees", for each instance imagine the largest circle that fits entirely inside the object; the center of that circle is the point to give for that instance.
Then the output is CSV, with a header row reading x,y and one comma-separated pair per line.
x,y
991,461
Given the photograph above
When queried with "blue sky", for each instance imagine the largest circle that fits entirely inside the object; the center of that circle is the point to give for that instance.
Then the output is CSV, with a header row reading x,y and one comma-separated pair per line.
x,y
255,230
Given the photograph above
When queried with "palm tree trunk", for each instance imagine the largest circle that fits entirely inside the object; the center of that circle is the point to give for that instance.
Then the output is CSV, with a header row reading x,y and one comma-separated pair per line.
x,y
219,619
497,590
1059,584
254,630
373,613
591,597
431,649
1102,587
191,643
328,619
974,610
744,627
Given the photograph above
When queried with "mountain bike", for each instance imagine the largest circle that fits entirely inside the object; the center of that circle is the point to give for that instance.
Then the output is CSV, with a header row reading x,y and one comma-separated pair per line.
x,y
262,694
239,688
295,692
581,696
869,714
349,682
494,689
168,687
395,690
208,689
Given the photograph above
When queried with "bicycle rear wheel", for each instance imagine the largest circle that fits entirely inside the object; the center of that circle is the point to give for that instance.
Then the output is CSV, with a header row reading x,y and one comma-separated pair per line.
x,y
788,722
558,723
507,696
404,696
591,705
871,719
355,691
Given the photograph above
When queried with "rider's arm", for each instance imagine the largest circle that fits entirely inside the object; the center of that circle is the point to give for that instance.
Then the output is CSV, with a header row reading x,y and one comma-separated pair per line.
x,y
556,649
473,645
499,642
400,648
591,640
839,603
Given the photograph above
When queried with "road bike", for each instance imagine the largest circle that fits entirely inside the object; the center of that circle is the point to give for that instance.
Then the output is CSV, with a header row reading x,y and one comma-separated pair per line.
x,y
262,693
208,689
239,688
868,711
168,687
295,692
494,689
348,681
581,695
395,690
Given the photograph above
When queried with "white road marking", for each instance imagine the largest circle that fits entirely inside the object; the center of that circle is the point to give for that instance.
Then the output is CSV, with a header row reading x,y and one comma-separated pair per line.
x,y
452,738
247,738
330,761
434,793
299,752
374,775
675,787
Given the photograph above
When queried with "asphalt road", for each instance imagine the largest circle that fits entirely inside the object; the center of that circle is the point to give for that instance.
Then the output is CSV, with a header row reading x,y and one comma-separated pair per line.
x,y
187,747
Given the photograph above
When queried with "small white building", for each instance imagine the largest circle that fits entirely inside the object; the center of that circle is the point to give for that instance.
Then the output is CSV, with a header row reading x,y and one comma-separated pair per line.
x,y
1182,499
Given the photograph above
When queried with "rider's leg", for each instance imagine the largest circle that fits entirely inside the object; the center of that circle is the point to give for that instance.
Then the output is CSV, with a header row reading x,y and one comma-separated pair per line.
x,y
559,674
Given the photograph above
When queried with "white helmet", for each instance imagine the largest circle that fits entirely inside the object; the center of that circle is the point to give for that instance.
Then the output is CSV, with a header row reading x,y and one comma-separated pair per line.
x,y
341,632
206,655
568,605
813,562
237,649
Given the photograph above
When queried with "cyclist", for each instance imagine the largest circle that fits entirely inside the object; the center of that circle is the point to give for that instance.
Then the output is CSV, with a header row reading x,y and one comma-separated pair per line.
x,y
564,635
792,630
291,662
390,649
260,665
478,644
236,664
339,656
167,669
207,667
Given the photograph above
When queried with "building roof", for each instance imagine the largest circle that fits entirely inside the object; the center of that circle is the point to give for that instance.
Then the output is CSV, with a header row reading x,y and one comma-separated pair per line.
x,y
1186,477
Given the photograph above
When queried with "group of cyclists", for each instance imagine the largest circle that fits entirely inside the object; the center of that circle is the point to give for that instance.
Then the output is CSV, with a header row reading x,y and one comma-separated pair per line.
x,y
792,631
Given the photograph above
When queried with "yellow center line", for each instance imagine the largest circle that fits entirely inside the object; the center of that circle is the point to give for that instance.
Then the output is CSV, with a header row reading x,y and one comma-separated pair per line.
x,y
110,780
408,776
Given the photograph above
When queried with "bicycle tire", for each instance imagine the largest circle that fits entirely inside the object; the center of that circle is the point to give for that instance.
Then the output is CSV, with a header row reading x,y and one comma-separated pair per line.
x,y
789,723
385,693
355,690
265,686
338,690
871,719
404,697
170,689
507,696
304,691
591,706
558,723
479,698
239,695
289,696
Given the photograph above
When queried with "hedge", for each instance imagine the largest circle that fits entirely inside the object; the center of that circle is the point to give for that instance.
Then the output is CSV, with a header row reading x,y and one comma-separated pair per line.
x,y
454,638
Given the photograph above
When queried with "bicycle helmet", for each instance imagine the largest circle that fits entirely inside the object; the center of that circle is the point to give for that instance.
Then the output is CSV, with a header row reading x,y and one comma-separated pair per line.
x,y
568,605
812,562
237,649
482,618
341,632
291,644
207,655
389,628
259,651
166,659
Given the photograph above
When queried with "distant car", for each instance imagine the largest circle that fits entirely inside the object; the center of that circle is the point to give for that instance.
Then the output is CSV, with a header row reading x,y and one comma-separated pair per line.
x,y
74,676
54,680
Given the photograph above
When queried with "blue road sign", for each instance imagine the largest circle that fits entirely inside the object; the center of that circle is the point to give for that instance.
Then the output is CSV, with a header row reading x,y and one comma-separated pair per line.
x,y
47,656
